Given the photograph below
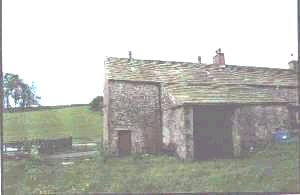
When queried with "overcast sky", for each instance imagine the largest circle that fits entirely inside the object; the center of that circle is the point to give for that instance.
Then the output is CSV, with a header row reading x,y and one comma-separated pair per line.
x,y
61,44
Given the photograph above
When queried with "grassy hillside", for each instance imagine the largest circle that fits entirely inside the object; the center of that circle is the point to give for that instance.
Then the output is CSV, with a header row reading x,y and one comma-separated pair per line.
x,y
273,170
78,122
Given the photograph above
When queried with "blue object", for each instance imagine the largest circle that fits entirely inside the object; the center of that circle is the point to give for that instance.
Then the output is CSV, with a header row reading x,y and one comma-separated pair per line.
x,y
280,136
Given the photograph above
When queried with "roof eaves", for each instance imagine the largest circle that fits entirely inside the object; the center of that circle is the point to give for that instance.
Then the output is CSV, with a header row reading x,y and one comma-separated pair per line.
x,y
258,67
136,81
234,103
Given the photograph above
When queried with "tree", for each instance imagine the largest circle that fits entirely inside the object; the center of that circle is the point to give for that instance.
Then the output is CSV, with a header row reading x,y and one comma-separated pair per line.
x,y
28,95
96,103
10,83
22,94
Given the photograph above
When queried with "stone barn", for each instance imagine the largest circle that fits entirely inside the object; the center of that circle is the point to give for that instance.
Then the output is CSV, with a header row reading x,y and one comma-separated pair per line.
x,y
198,110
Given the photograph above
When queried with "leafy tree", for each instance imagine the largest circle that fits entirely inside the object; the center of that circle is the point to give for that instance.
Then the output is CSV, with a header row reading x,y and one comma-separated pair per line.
x,y
96,103
28,95
21,93
10,83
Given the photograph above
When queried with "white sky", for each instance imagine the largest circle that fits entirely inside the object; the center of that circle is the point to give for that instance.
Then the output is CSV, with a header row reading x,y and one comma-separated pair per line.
x,y
61,44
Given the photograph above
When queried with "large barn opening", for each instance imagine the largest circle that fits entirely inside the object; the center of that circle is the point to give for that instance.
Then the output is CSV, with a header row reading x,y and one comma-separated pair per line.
x,y
213,132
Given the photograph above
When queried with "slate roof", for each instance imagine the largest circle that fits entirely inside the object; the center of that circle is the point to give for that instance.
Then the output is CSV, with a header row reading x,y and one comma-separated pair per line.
x,y
204,83
219,93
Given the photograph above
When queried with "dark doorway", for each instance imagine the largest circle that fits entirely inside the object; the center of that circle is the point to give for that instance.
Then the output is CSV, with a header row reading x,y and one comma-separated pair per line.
x,y
213,132
124,143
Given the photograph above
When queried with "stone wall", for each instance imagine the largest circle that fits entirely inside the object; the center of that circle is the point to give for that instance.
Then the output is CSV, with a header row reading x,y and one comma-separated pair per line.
x,y
177,127
105,109
253,123
178,131
188,132
173,124
172,119
134,106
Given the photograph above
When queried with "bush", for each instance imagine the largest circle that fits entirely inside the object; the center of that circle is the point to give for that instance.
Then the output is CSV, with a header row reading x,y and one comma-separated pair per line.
x,y
169,149
35,156
96,103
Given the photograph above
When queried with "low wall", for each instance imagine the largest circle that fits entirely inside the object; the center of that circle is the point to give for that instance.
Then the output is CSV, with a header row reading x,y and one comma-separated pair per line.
x,y
44,145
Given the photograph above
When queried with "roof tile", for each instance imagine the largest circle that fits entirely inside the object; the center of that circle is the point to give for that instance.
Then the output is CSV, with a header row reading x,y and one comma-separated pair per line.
x,y
202,83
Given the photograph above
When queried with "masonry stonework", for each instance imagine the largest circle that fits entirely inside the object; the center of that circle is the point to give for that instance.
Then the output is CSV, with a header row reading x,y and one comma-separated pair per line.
x,y
178,131
177,127
173,138
105,109
189,132
135,107
253,123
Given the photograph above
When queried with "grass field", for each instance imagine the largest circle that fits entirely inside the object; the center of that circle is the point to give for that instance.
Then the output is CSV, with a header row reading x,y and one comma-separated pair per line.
x,y
78,122
272,170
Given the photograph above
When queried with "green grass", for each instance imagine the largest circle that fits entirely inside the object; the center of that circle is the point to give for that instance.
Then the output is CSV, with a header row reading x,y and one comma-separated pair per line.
x,y
272,170
78,122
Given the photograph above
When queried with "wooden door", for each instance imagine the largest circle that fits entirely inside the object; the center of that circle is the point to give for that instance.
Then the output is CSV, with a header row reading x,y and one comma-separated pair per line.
x,y
124,143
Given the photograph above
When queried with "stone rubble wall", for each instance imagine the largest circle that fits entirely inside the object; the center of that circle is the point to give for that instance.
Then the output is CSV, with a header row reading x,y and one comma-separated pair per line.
x,y
177,127
105,109
189,132
253,123
134,106
173,137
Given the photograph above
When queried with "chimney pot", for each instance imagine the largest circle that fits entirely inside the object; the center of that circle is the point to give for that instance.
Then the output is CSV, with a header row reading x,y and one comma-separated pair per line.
x,y
130,55
199,59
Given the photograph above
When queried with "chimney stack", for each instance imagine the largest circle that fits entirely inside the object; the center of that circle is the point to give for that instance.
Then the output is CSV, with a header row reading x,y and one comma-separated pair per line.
x,y
219,59
199,59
